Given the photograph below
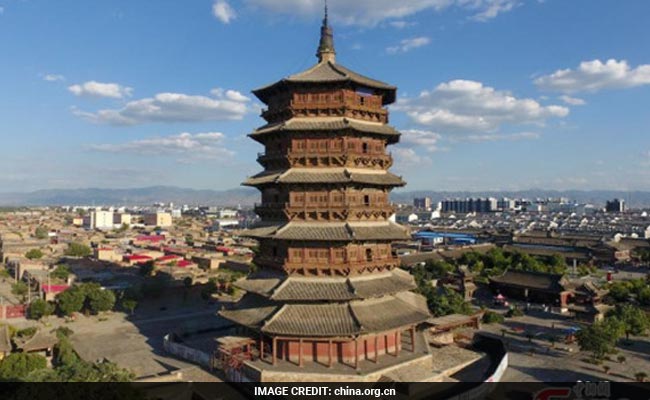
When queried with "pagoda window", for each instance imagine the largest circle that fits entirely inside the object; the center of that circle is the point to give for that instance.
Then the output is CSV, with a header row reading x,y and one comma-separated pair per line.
x,y
366,200
368,254
364,148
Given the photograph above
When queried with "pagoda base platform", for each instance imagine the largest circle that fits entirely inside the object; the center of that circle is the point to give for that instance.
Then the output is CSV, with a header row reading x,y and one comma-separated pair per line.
x,y
422,365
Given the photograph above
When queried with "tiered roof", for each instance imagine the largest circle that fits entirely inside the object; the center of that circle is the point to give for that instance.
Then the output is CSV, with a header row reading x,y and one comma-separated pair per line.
x,y
282,288
327,72
330,319
328,124
325,175
330,231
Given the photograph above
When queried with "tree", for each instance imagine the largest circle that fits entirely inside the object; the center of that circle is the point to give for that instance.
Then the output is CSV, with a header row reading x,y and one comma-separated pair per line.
x,y
71,301
40,308
445,302
34,254
600,337
634,320
61,272
130,305
491,317
100,300
41,233
78,250
146,269
17,366
20,289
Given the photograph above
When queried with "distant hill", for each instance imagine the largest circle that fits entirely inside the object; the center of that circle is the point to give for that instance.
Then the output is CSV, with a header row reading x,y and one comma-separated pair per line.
x,y
248,196
140,196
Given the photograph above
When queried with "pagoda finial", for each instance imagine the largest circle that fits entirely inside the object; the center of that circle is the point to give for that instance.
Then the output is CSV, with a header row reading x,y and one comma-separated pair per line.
x,y
326,52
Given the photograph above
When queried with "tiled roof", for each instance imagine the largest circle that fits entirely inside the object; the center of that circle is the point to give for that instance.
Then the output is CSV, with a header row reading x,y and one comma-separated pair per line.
x,y
328,124
397,281
533,280
328,72
387,313
251,311
326,288
325,175
295,289
330,231
346,319
40,341
313,320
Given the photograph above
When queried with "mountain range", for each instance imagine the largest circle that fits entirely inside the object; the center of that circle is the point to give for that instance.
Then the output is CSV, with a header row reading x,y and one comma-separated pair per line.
x,y
247,196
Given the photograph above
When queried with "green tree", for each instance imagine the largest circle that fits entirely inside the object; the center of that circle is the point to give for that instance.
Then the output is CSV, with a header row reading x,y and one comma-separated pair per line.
x,y
17,366
40,308
600,338
76,249
100,300
41,233
34,254
130,305
445,301
491,317
20,289
61,272
635,320
71,300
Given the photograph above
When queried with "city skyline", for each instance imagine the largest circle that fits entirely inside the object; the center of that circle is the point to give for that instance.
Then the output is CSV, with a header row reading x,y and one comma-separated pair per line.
x,y
129,95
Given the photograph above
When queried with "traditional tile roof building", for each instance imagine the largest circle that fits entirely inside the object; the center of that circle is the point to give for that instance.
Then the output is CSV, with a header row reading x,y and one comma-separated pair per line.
x,y
328,292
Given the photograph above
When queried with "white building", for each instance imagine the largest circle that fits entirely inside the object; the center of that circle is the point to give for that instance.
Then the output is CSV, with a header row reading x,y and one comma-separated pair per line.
x,y
99,220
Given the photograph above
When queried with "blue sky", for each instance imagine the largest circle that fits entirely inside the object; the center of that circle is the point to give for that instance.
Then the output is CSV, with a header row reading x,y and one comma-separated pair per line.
x,y
493,94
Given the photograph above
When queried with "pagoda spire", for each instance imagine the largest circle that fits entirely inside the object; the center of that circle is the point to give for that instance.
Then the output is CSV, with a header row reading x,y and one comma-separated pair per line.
x,y
326,52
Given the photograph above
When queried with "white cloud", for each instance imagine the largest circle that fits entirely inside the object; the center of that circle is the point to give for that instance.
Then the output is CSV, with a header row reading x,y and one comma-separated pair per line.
x,y
99,89
371,12
408,45
574,101
174,107
488,9
421,138
407,157
592,76
223,11
53,77
493,137
199,145
401,24
469,106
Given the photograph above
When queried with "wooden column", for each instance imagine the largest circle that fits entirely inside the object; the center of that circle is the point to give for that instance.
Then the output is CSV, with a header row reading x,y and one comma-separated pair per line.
x,y
376,349
397,343
274,350
356,353
300,353
330,354
261,346
413,339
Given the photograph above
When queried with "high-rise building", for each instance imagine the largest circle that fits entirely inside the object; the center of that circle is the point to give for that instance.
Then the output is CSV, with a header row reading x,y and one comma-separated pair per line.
x,y
423,203
479,205
615,206
329,295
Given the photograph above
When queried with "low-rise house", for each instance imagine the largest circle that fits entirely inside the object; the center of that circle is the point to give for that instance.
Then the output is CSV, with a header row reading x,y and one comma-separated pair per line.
x,y
535,287
133,259
107,254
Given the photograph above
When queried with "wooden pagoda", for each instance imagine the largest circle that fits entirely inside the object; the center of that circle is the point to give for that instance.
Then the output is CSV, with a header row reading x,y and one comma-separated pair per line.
x,y
328,290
